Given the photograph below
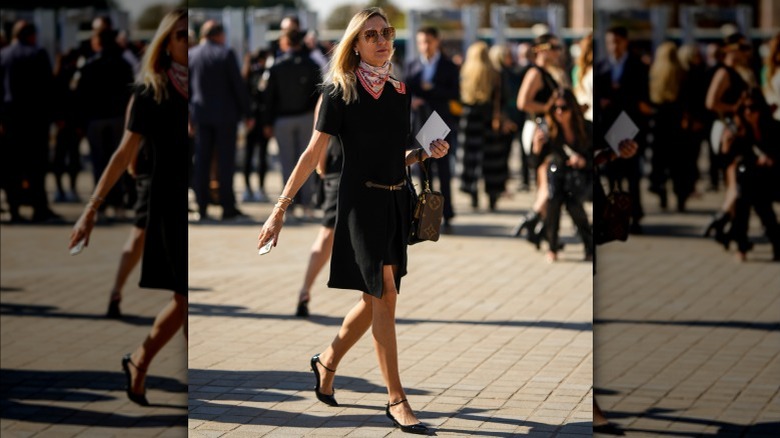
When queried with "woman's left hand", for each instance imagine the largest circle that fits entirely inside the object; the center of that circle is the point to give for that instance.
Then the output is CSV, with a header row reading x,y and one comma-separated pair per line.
x,y
576,161
439,148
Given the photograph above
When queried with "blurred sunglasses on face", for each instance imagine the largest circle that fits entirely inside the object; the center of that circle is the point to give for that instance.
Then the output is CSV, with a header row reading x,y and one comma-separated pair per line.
x,y
181,34
562,108
372,35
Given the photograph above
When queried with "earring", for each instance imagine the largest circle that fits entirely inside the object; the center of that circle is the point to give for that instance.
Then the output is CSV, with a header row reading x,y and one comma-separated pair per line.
x,y
167,52
356,53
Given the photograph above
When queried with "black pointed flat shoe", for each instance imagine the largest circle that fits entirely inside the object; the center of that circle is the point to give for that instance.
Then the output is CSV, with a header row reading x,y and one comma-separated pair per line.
x,y
139,399
303,309
113,309
418,429
328,399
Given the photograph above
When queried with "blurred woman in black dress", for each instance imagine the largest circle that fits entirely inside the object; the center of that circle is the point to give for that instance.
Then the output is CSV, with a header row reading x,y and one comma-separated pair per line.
x,y
157,113
567,150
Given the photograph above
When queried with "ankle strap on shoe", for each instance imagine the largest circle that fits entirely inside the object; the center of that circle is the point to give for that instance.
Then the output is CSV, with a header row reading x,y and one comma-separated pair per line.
x,y
323,365
396,403
130,361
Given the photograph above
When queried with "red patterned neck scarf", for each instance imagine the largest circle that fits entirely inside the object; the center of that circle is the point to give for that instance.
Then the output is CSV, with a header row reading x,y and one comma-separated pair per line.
x,y
374,78
179,75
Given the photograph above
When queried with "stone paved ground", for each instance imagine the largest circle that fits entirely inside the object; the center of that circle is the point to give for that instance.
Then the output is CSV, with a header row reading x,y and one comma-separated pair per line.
x,y
60,358
493,340
687,340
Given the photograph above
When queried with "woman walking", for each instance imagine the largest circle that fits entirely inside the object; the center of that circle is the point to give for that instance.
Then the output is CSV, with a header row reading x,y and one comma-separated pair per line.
x,y
369,111
157,114
480,88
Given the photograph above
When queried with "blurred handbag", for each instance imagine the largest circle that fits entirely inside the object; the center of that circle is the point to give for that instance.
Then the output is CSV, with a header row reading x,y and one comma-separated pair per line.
x,y
615,217
427,212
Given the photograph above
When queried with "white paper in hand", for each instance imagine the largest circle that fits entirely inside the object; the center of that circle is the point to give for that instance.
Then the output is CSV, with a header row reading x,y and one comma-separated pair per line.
x,y
433,129
623,128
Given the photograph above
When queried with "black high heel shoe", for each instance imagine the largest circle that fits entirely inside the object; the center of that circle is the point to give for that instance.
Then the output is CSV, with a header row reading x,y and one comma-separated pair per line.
x,y
716,225
419,428
303,309
329,400
113,309
528,221
139,399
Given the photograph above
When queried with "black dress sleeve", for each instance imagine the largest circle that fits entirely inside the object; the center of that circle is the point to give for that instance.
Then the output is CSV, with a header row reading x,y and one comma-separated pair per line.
x,y
331,114
141,116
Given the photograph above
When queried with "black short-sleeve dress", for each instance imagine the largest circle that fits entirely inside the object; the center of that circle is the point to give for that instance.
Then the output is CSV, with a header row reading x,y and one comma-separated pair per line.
x,y
372,226
163,126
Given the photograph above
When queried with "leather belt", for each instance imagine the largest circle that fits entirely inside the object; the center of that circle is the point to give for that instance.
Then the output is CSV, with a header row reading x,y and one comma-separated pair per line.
x,y
373,185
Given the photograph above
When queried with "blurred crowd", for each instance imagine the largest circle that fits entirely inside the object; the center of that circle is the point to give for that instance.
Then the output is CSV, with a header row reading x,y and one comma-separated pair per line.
x,y
719,97
83,95
531,100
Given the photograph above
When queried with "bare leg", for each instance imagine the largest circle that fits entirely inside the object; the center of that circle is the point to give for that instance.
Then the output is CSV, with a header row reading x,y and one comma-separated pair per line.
x,y
355,325
598,417
320,253
540,204
383,329
731,189
131,255
170,319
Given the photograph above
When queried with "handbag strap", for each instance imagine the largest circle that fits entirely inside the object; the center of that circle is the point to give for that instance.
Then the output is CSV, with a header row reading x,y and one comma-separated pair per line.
x,y
427,182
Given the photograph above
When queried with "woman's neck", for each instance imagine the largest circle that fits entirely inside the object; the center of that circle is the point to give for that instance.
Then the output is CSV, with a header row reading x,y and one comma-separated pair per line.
x,y
568,133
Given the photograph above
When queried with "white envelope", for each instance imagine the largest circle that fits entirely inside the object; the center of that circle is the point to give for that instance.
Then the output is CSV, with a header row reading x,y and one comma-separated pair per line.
x,y
623,128
433,129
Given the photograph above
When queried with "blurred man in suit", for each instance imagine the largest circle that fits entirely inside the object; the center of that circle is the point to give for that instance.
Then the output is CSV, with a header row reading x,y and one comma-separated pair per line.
x,y
26,85
290,98
218,101
621,84
434,82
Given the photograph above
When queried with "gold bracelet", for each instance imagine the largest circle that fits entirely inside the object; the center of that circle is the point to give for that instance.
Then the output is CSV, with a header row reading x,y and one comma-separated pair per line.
x,y
280,206
285,199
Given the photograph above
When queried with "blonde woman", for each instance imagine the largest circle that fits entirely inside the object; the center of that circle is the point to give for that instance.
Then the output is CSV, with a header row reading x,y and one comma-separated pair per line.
x,y
157,114
772,85
480,122
583,87
368,109
669,145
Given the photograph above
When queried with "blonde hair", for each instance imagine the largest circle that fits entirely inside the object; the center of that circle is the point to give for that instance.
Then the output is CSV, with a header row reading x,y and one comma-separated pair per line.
x,y
477,75
771,61
497,54
665,74
155,60
585,60
340,70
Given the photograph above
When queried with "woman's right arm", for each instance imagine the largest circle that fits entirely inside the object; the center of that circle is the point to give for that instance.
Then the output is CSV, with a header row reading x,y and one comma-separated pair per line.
x,y
306,165
122,157
532,83
719,84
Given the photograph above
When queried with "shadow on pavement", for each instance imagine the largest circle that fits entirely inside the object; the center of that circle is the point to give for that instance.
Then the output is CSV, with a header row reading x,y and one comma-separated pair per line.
x,y
240,312
50,312
266,385
280,418
11,289
20,386
666,416
751,325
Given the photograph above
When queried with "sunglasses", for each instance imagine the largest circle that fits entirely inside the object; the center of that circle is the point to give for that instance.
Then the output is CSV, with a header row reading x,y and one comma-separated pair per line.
x,y
181,34
561,107
752,107
372,35
745,47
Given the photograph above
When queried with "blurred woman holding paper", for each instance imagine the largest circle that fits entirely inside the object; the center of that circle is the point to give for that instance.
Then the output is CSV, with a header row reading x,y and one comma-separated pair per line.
x,y
368,109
